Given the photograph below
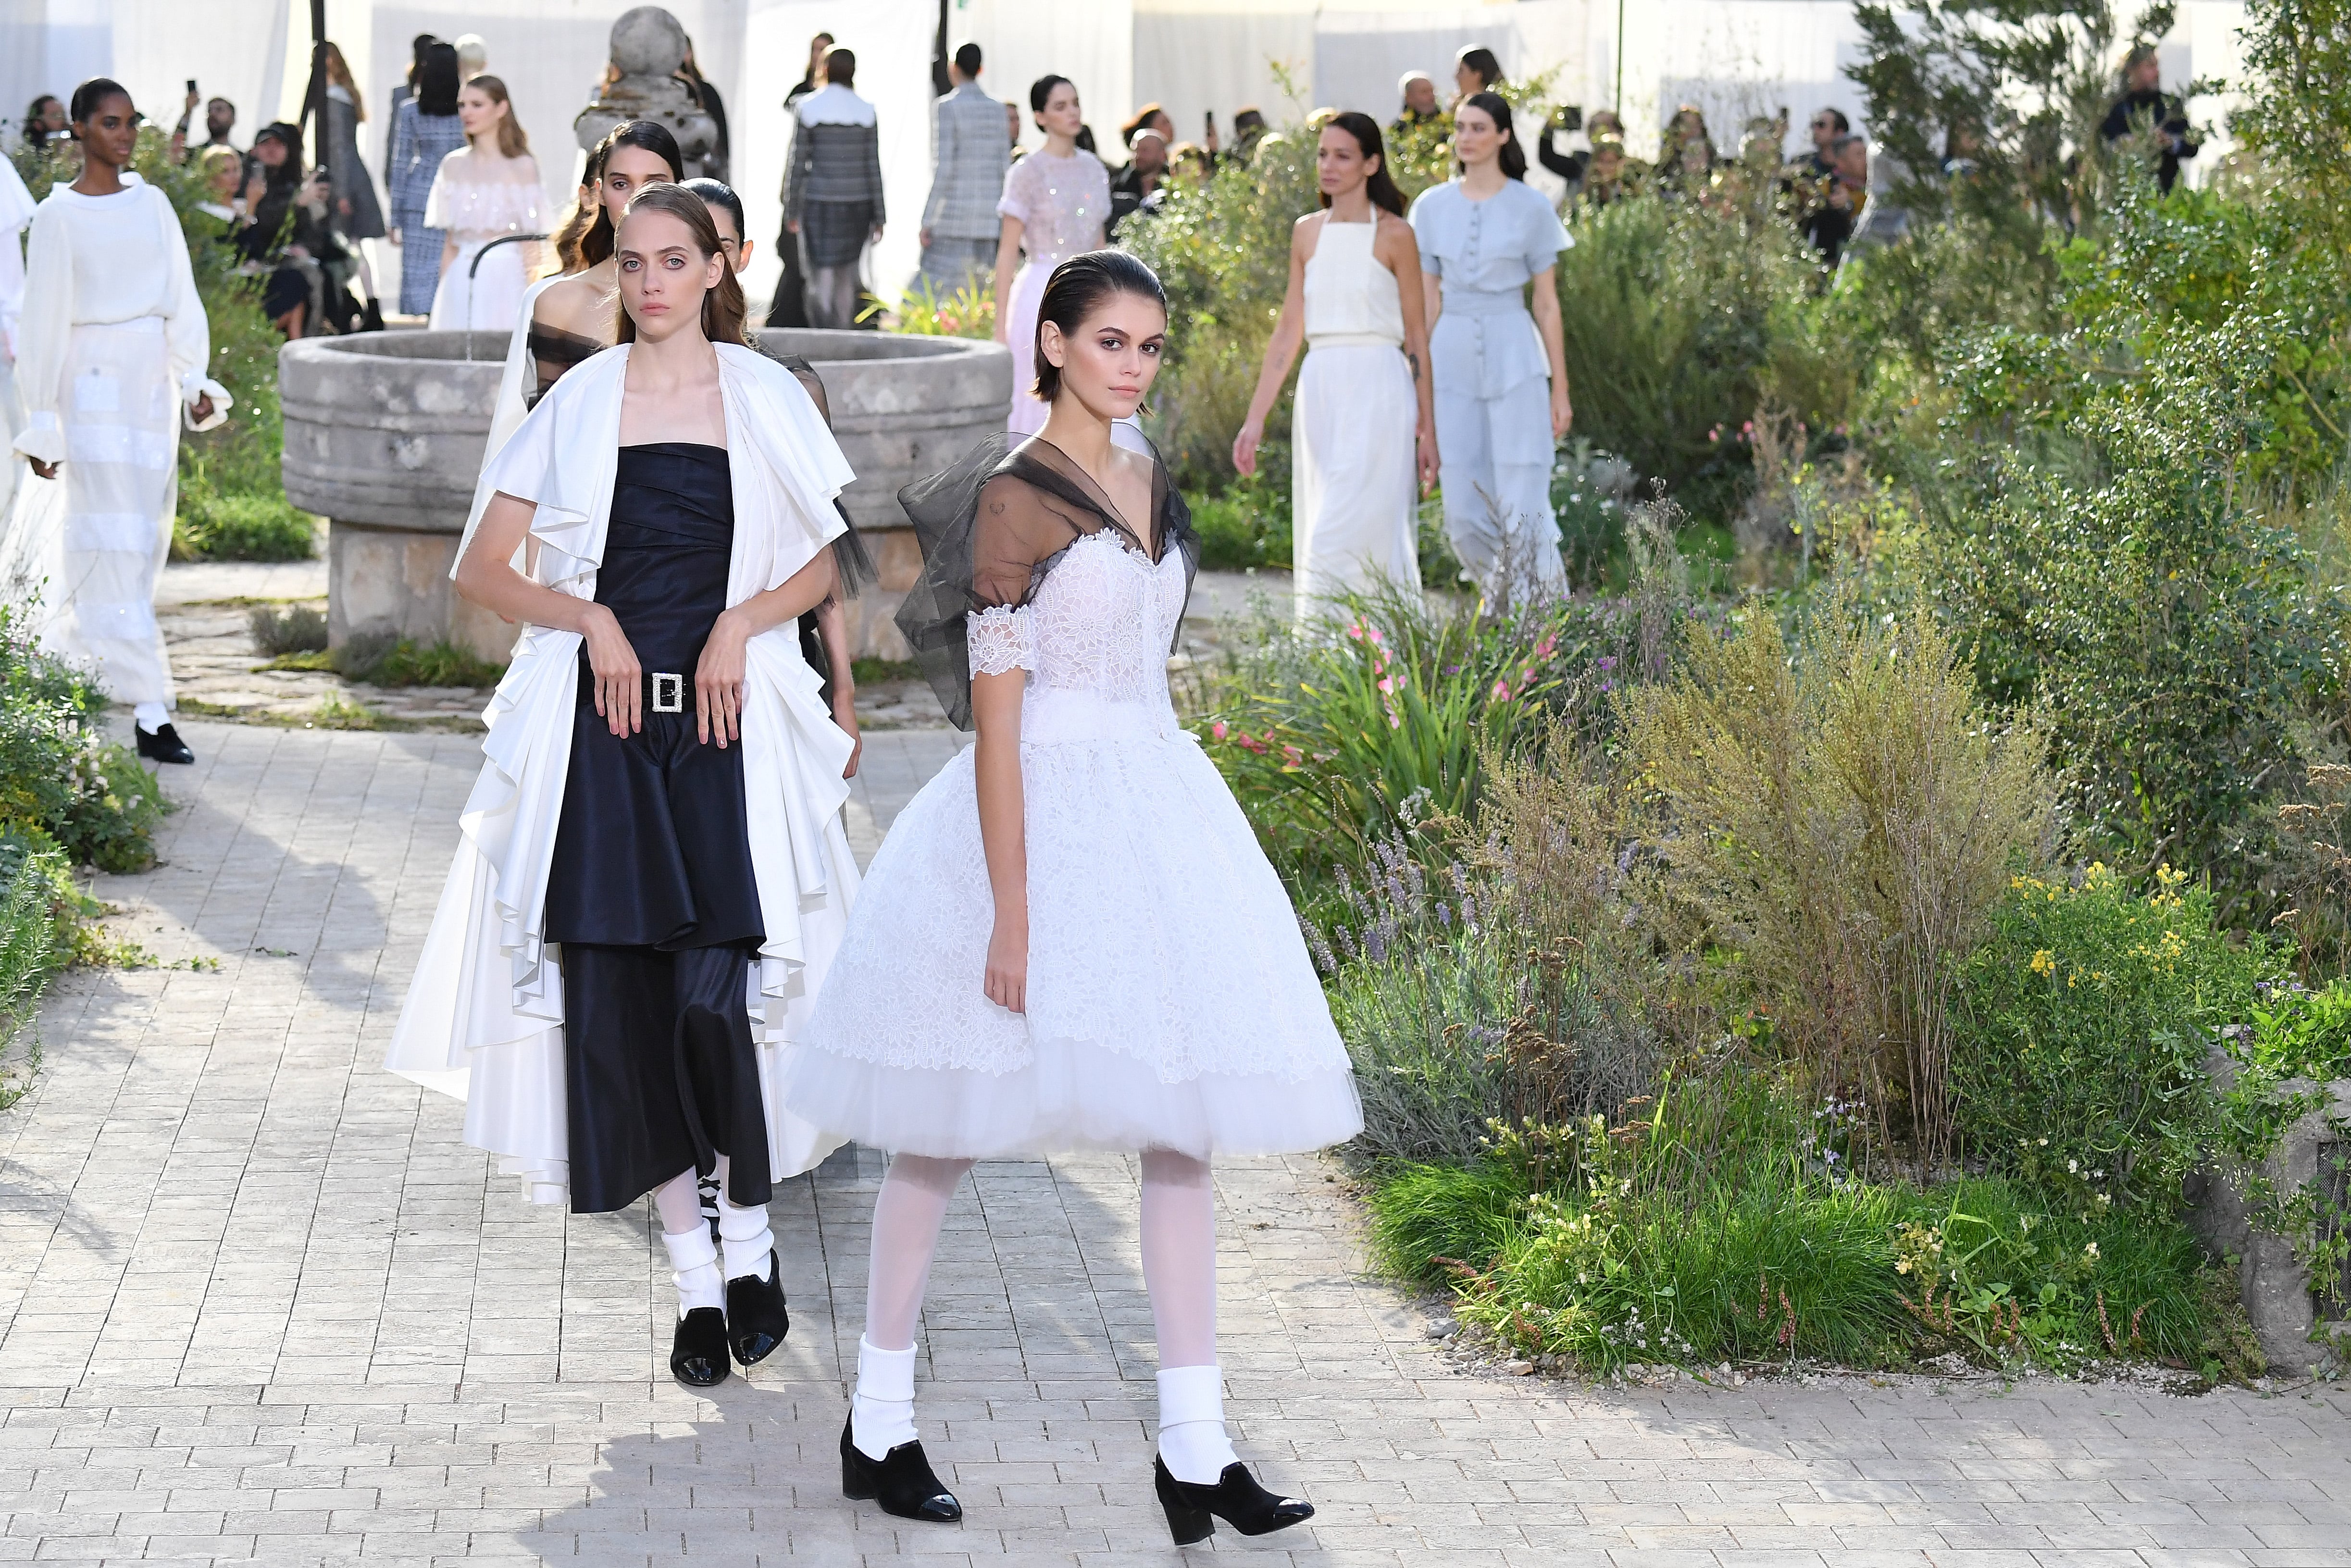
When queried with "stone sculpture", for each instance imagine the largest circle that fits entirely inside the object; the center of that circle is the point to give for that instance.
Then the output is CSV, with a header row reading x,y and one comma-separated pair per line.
x,y
648,47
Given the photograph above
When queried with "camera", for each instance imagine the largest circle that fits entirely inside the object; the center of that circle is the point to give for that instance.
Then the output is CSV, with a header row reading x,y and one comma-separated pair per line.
x,y
1567,117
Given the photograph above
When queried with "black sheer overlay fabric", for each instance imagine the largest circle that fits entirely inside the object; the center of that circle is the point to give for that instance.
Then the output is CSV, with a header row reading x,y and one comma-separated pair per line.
x,y
553,351
994,526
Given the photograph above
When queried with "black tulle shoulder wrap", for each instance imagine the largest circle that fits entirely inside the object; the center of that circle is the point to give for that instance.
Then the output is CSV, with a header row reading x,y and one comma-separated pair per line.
x,y
1040,503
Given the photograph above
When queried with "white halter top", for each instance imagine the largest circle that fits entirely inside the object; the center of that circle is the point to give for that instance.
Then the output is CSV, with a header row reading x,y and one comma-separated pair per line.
x,y
1351,299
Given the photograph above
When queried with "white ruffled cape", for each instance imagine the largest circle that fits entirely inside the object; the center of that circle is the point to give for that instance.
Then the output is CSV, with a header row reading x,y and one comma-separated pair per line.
x,y
484,1019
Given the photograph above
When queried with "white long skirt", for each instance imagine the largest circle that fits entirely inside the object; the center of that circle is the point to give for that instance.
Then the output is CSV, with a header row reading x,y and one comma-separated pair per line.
x,y
496,293
1027,416
1171,1002
122,418
1351,475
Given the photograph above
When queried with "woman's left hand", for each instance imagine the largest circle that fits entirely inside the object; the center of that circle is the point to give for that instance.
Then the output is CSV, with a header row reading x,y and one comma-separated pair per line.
x,y
1424,449
718,682
844,714
1562,413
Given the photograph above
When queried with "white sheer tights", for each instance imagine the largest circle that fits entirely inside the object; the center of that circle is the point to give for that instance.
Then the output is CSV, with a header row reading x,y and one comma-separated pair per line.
x,y
1179,1269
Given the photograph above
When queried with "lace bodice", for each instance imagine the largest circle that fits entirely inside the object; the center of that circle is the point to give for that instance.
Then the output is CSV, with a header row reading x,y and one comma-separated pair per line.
x,y
1101,623
1061,202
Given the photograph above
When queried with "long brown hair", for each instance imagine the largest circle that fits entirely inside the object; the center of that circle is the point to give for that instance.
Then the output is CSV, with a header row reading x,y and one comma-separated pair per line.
x,y
723,309
339,71
593,243
1377,186
512,143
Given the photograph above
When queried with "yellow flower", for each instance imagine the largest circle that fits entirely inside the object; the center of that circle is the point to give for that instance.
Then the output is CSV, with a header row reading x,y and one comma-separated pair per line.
x,y
2042,962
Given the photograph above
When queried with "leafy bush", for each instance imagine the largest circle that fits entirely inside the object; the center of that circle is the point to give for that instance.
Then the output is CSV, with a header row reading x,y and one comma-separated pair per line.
x,y
2080,1034
1843,819
59,779
215,527
1248,525
1674,318
965,312
40,917
1336,742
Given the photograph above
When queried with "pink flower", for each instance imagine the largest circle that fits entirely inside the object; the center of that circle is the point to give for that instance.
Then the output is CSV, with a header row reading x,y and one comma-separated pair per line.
x,y
1293,756
1502,691
1356,631
1218,729
1388,685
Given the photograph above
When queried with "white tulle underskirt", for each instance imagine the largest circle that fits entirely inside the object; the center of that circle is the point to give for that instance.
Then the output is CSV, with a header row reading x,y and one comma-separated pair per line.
x,y
1171,1002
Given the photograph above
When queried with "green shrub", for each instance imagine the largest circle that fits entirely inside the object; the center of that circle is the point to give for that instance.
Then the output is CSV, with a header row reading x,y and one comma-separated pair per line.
x,y
1673,317
404,662
58,776
1247,526
40,916
2081,1029
213,527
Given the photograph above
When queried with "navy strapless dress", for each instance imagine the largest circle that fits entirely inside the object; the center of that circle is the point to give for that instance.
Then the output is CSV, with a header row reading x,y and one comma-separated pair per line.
x,y
652,890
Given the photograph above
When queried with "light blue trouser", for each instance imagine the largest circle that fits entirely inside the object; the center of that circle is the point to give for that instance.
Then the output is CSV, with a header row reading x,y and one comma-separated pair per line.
x,y
1496,456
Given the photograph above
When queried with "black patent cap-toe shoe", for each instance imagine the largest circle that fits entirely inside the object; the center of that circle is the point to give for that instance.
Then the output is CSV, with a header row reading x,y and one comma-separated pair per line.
x,y
1237,1499
757,1319
697,1355
901,1482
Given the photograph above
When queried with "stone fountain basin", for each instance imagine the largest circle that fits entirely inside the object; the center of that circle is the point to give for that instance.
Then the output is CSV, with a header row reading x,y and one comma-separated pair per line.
x,y
386,433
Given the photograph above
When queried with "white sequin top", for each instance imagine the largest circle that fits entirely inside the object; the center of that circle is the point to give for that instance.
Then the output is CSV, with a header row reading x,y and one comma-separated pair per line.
x,y
1061,202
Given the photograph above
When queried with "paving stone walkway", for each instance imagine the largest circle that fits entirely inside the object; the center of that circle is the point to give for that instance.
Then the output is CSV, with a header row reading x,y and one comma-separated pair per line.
x,y
259,1303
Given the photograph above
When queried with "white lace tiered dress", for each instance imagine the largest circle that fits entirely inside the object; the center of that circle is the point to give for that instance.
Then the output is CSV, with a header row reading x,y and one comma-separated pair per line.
x,y
1171,1000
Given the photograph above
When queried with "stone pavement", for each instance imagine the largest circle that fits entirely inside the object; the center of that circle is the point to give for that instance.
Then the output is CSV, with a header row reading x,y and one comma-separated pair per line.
x,y
259,1303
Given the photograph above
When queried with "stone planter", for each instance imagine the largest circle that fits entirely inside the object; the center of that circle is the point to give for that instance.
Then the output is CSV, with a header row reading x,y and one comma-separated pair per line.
x,y
384,432
2272,1281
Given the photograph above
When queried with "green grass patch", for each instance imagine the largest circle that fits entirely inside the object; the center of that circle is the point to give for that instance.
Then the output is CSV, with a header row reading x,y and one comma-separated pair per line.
x,y
404,662
874,672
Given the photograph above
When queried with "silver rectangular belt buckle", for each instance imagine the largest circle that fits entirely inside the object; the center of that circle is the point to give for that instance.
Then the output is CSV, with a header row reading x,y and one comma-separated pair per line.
x,y
673,685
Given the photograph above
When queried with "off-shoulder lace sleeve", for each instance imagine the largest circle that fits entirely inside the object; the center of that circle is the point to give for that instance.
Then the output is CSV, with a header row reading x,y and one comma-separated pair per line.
x,y
1002,638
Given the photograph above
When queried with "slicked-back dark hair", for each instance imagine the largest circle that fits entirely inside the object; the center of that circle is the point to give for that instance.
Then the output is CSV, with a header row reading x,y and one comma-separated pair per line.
x,y
89,95
718,193
1040,92
967,58
1079,287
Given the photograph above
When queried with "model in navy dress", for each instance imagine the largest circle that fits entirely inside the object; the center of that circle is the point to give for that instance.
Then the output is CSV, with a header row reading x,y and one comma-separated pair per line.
x,y
652,890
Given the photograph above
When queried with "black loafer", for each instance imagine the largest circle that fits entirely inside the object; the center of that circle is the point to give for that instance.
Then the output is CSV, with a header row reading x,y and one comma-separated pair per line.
x,y
697,1353
901,1482
757,1319
163,746
1237,1499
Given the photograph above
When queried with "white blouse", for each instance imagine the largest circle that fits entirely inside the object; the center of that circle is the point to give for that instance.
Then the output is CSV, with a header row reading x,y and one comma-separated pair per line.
x,y
472,204
98,261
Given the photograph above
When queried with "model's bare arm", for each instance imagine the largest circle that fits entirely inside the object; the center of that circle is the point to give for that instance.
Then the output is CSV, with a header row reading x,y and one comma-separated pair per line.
x,y
1399,248
1554,342
1281,351
1003,832
486,577
1008,261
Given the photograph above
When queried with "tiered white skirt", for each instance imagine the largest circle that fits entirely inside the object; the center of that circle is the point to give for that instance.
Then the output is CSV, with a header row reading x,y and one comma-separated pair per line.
x,y
1171,1002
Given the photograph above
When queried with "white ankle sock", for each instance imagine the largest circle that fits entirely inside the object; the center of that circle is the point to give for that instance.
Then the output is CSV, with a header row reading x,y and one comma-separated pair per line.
x,y
1191,1438
882,1412
150,717
695,1257
745,1235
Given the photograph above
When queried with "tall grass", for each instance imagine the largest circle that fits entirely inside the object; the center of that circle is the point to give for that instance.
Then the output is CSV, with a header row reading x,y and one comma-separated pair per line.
x,y
1719,1223
1845,816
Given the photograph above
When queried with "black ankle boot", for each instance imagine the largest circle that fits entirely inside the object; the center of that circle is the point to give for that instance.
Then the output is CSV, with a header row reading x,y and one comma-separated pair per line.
x,y
757,1320
901,1482
1237,1499
163,746
697,1353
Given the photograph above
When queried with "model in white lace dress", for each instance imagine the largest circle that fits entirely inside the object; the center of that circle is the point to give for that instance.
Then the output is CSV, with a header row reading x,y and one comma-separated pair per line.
x,y
1070,938
487,193
1055,203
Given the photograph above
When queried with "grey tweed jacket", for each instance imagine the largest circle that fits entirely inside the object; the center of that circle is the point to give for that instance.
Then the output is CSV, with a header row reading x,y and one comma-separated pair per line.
x,y
970,150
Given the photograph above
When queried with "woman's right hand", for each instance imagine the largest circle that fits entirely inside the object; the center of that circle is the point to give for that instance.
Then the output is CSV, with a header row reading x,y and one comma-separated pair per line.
x,y
1007,982
619,680
1244,446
